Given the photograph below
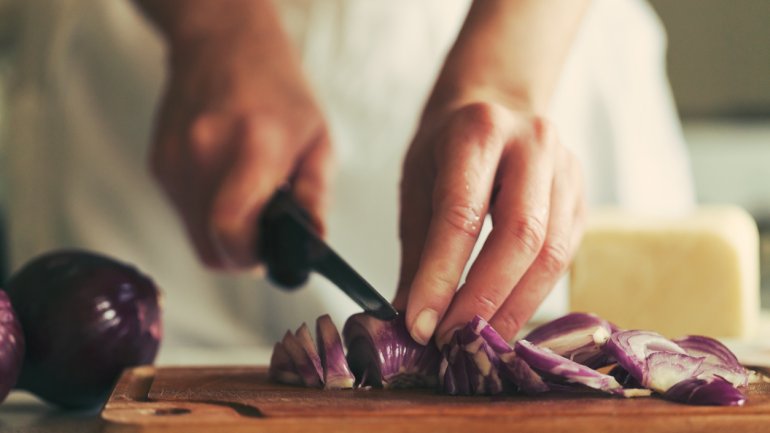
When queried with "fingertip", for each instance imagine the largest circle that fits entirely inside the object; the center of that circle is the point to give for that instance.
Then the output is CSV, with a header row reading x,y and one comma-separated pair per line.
x,y
423,325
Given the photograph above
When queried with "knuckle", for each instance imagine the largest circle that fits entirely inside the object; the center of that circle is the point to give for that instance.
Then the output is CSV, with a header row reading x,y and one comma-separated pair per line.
x,y
463,217
508,325
529,232
481,123
555,257
485,303
443,283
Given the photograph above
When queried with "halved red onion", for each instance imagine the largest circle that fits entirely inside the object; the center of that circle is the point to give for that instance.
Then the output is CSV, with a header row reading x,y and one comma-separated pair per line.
x,y
336,374
282,368
305,368
631,348
718,359
715,391
305,340
561,369
576,336
385,354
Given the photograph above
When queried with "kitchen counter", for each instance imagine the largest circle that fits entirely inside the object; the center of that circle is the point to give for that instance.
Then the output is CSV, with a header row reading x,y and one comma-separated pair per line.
x,y
23,413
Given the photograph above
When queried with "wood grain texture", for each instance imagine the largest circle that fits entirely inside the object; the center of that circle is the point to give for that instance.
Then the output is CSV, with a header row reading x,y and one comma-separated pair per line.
x,y
239,399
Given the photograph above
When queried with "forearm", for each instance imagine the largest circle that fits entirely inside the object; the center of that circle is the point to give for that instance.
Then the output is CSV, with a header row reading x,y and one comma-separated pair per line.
x,y
184,21
510,51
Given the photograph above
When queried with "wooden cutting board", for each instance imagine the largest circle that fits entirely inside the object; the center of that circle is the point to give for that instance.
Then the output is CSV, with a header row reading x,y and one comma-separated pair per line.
x,y
241,399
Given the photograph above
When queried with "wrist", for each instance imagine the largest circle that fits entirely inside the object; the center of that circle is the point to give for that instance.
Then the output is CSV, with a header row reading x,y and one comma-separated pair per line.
x,y
186,23
448,96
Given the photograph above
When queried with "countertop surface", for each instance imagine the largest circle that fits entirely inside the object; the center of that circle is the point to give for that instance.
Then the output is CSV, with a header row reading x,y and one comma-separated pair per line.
x,y
23,413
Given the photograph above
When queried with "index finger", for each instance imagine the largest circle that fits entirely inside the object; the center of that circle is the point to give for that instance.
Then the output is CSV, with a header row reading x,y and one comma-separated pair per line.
x,y
460,201
520,215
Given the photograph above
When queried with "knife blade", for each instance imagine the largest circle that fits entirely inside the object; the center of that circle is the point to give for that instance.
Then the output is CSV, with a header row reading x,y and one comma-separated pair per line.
x,y
291,247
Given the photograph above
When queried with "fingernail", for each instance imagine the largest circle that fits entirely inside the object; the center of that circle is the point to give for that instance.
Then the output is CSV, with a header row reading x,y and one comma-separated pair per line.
x,y
424,325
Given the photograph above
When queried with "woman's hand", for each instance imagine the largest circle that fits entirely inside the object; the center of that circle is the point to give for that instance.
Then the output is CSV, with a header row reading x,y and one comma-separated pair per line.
x,y
466,162
237,121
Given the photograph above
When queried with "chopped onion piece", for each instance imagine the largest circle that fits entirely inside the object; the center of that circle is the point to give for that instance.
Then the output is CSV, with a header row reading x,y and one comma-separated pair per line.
x,y
336,373
666,369
631,348
719,360
512,368
577,336
282,368
301,360
561,369
715,391
308,345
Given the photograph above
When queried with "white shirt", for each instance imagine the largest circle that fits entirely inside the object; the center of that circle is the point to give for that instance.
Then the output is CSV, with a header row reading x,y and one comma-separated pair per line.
x,y
88,75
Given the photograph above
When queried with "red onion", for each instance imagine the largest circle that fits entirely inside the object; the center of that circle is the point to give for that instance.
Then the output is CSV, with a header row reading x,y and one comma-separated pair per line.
x,y
301,359
383,354
718,359
560,369
511,370
576,336
11,346
469,355
712,391
85,318
336,374
282,368
631,348
665,369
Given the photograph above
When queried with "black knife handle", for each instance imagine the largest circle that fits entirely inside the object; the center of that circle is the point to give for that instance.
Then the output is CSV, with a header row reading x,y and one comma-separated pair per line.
x,y
284,243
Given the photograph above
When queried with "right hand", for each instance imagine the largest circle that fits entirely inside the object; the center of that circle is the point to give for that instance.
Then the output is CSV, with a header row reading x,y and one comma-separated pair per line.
x,y
237,121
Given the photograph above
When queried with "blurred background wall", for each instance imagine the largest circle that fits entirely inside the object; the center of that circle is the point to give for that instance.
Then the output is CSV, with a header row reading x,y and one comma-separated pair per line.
x,y
719,68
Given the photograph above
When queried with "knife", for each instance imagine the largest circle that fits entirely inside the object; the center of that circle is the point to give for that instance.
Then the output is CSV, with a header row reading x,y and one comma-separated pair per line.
x,y
291,247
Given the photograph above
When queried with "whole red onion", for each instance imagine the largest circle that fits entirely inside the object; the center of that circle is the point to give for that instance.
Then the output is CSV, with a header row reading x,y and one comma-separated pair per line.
x,y
85,318
11,346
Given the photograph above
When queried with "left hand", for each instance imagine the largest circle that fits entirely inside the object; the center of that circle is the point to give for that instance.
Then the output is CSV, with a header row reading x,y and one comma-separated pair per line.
x,y
465,162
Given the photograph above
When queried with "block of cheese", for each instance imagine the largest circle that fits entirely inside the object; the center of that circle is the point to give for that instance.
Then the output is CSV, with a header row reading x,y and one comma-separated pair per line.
x,y
697,274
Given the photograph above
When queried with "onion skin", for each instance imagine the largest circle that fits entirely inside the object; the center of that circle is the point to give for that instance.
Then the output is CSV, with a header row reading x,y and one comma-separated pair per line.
x,y
386,355
576,336
11,346
85,318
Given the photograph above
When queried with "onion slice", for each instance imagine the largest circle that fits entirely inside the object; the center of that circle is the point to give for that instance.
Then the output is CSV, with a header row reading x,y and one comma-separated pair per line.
x,y
470,355
576,336
666,369
512,368
715,391
301,360
631,348
385,354
336,374
718,359
282,368
561,369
